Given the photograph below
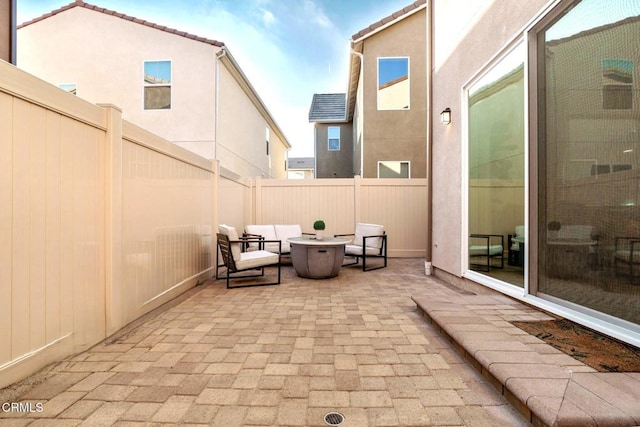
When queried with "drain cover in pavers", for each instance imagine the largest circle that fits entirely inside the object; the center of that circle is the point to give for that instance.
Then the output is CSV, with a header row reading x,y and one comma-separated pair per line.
x,y
334,419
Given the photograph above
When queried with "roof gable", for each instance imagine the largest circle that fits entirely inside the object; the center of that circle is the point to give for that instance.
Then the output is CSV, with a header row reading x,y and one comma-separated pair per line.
x,y
328,107
389,20
80,3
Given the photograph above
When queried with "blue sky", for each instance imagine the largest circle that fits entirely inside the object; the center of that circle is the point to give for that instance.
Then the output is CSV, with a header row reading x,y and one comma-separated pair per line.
x,y
289,49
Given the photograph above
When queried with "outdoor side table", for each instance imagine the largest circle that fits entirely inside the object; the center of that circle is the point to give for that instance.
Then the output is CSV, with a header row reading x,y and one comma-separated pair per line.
x,y
317,259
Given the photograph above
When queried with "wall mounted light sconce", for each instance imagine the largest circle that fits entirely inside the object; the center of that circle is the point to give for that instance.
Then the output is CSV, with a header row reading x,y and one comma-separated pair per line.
x,y
445,116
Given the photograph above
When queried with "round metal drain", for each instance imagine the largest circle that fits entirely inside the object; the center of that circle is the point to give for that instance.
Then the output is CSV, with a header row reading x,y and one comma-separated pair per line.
x,y
334,419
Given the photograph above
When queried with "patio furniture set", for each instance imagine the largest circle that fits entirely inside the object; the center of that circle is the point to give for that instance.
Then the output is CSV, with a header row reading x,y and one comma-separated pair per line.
x,y
268,245
572,250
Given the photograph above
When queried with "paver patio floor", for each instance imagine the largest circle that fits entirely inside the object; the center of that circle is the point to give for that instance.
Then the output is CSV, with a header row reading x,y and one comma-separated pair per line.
x,y
277,355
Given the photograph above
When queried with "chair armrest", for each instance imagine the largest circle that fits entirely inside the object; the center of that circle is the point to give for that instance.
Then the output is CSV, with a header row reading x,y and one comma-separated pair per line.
x,y
308,234
488,237
625,240
380,236
343,235
249,238
261,242
252,236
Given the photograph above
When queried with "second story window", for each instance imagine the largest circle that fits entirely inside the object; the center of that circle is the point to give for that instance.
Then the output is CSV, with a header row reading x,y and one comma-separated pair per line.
x,y
333,138
157,85
617,84
393,83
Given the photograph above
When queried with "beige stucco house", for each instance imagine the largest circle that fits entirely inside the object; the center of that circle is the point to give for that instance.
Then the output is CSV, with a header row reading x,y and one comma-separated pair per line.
x,y
386,96
184,88
7,30
333,136
541,158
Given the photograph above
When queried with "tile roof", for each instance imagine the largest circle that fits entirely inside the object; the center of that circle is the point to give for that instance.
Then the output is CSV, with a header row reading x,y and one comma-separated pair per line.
x,y
328,107
80,3
384,21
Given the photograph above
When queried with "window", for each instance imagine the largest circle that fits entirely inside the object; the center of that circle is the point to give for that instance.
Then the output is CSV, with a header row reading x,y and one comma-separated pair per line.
x,y
589,157
617,84
333,137
266,137
394,169
393,83
157,85
69,87
496,148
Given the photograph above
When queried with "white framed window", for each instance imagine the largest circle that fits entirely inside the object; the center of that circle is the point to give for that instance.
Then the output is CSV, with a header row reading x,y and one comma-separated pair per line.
x,y
333,138
157,85
394,169
495,150
393,83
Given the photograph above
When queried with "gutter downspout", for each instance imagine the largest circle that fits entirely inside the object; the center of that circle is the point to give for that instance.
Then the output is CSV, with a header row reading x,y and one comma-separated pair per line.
x,y
219,55
13,36
428,266
360,78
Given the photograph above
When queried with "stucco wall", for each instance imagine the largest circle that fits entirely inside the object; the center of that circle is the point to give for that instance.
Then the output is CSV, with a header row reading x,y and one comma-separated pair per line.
x,y
334,164
458,56
242,130
104,56
396,134
107,66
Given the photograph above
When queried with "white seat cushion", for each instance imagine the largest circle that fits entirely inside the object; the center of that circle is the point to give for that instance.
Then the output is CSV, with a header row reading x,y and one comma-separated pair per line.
x,y
357,250
480,250
285,232
518,238
363,229
256,259
232,234
575,232
267,231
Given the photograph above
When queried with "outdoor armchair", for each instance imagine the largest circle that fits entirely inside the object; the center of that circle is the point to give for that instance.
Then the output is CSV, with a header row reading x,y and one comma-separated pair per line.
x,y
627,253
370,241
238,263
486,247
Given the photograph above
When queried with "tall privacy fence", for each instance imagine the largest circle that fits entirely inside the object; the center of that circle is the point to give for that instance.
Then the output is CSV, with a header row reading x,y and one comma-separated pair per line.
x,y
102,221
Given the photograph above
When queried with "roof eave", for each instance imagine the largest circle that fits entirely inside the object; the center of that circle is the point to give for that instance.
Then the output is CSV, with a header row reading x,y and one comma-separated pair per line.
x,y
355,38
229,61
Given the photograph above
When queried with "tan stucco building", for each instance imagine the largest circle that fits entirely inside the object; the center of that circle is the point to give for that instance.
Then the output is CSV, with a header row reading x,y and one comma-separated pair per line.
x,y
387,97
184,88
540,161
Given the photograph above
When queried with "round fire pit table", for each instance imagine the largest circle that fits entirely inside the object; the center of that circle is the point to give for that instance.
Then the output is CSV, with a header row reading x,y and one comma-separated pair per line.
x,y
317,259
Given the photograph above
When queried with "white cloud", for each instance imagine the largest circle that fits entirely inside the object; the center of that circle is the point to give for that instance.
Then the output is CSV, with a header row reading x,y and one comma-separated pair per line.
x,y
314,13
267,18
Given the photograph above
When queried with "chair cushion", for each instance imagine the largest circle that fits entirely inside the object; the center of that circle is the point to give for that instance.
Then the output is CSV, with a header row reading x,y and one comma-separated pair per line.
x,y
256,259
267,231
363,229
575,232
357,250
519,231
481,250
285,232
232,234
